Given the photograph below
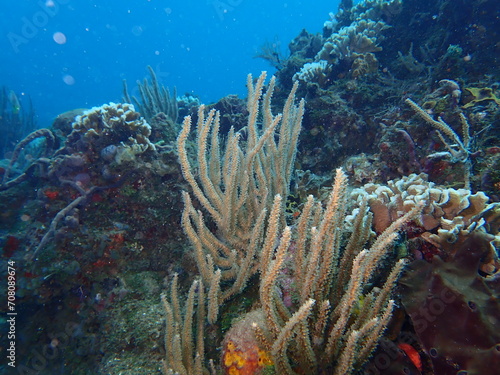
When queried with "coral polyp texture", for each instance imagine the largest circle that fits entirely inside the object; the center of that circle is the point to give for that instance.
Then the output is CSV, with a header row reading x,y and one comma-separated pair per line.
x,y
447,213
360,38
390,201
112,124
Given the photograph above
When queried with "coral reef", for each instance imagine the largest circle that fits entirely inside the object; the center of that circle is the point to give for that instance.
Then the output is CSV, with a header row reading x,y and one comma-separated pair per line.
x,y
353,43
453,283
447,214
359,97
403,94
398,196
115,125
83,221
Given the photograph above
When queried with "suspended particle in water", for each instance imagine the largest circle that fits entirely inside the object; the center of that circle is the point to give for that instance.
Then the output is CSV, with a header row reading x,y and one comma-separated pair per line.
x,y
59,38
137,30
68,79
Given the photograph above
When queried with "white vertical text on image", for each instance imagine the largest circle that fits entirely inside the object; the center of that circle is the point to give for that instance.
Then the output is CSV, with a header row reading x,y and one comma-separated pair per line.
x,y
11,313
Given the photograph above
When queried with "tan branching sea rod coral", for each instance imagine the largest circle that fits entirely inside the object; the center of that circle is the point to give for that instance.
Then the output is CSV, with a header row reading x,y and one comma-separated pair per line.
x,y
318,309
237,187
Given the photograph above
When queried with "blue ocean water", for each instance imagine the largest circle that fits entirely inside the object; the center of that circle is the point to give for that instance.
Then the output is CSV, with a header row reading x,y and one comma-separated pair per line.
x,y
68,54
